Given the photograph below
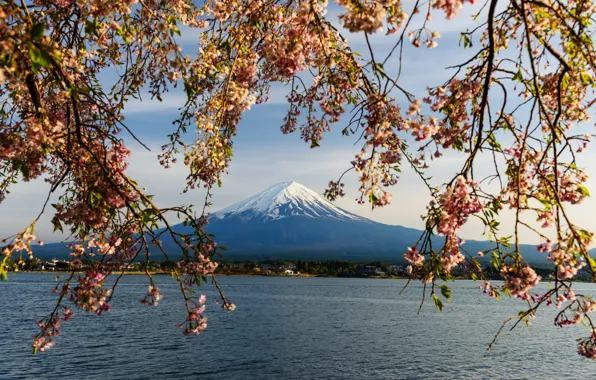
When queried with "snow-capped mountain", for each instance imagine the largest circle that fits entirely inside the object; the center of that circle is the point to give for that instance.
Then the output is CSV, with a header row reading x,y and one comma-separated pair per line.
x,y
291,220
284,200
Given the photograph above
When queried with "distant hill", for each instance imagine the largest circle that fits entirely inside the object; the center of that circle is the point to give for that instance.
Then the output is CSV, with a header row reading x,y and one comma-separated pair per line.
x,y
290,221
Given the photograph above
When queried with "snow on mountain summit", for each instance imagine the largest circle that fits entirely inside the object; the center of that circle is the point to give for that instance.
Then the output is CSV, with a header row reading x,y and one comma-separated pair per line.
x,y
283,200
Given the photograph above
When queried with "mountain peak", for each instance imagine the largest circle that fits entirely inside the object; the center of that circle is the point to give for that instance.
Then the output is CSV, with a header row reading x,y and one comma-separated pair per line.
x,y
283,200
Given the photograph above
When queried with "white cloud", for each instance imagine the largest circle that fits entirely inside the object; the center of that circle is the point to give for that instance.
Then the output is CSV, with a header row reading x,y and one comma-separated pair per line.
x,y
170,102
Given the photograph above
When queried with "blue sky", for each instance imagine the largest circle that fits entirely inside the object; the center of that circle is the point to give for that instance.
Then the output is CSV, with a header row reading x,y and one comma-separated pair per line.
x,y
264,156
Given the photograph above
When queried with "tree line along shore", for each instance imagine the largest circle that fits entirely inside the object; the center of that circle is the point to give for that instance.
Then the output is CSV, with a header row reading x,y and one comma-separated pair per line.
x,y
295,268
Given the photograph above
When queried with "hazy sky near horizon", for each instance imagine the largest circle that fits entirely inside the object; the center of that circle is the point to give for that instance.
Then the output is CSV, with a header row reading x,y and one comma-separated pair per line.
x,y
264,156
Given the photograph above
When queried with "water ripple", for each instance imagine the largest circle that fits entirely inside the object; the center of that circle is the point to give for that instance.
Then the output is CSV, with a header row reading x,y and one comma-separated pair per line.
x,y
288,328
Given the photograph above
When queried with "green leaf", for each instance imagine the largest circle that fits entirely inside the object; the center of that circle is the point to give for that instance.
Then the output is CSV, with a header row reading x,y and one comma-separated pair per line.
x,y
438,302
585,78
92,27
39,57
592,262
466,40
446,292
458,144
37,31
25,171
190,91
492,141
57,225
225,46
3,275
565,82
583,191
518,76
372,198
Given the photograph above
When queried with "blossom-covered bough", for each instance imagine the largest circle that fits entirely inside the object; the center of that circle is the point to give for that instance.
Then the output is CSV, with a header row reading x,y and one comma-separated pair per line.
x,y
521,98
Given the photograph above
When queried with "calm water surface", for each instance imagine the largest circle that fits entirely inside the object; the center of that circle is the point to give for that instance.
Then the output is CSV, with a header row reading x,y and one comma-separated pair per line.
x,y
288,328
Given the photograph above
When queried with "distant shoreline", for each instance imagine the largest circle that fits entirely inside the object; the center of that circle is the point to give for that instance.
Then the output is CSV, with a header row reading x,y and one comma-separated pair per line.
x,y
140,273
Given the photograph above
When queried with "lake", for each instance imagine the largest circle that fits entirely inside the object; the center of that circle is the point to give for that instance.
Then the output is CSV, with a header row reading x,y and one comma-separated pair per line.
x,y
289,328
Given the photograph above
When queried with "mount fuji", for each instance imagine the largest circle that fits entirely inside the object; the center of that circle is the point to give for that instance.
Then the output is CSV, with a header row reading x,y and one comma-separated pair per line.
x,y
289,220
